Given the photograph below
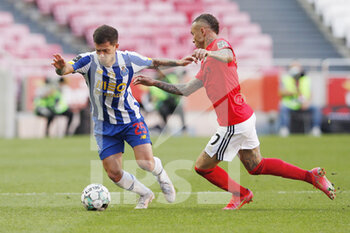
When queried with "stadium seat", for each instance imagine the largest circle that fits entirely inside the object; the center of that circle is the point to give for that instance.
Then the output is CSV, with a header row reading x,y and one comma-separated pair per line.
x,y
221,9
156,25
259,41
334,11
348,38
21,44
189,8
235,19
161,7
46,6
340,26
5,19
241,31
322,5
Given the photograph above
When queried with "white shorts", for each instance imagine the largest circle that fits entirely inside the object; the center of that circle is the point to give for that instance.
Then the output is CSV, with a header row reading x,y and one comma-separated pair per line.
x,y
228,140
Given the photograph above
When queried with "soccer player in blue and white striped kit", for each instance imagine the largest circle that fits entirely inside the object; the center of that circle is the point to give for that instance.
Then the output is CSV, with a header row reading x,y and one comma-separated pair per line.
x,y
108,73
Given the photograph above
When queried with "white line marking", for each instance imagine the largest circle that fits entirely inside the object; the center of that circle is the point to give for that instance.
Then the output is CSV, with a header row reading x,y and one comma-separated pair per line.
x,y
179,193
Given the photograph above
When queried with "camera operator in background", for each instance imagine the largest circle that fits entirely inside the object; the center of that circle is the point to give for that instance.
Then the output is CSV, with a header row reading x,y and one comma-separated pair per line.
x,y
296,96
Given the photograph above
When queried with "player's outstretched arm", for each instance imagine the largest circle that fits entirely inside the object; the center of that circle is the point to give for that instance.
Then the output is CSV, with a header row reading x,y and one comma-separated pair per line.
x,y
62,67
156,62
177,89
224,55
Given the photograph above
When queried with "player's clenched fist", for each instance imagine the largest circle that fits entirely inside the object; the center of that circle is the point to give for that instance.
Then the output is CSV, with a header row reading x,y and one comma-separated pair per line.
x,y
200,54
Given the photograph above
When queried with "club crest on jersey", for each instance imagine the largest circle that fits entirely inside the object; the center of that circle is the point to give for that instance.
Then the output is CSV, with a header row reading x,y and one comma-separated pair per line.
x,y
222,44
124,71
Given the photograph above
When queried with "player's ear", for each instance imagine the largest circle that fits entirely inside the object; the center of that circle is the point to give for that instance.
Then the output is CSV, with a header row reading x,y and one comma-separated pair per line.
x,y
203,31
116,46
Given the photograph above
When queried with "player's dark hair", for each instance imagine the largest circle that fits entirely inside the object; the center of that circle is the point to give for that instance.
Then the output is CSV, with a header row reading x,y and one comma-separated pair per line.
x,y
105,34
210,20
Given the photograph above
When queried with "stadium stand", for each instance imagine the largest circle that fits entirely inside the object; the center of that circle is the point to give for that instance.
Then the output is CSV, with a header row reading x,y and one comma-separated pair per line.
x,y
335,15
293,32
259,33
17,41
153,27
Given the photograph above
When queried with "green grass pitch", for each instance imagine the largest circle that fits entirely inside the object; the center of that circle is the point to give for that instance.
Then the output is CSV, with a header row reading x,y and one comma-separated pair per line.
x,y
41,182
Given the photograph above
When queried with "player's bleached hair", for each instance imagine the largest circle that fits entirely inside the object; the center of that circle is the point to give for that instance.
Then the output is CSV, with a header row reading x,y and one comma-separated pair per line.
x,y
105,34
210,20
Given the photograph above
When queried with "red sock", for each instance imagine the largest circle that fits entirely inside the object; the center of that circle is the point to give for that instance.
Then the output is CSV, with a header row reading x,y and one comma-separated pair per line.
x,y
277,167
221,179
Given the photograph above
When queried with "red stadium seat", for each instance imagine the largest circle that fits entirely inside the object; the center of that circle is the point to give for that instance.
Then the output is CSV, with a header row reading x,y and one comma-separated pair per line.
x,y
161,7
246,30
5,19
235,19
259,41
155,26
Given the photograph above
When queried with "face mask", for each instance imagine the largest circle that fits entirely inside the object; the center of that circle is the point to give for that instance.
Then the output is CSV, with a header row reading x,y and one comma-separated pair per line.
x,y
106,59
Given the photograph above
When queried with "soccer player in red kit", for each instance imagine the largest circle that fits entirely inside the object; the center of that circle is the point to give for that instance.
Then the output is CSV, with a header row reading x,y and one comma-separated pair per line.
x,y
236,133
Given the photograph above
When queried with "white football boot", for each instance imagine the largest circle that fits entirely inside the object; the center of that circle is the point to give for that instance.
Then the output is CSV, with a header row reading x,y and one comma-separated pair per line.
x,y
166,186
145,200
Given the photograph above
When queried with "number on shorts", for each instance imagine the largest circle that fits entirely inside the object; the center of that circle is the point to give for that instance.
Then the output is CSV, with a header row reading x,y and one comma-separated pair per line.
x,y
140,128
216,140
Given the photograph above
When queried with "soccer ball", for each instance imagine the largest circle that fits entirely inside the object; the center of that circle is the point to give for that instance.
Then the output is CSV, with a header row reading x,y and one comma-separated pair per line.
x,y
95,197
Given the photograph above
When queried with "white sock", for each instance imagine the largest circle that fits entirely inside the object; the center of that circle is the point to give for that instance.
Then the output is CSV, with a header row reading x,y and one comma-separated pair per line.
x,y
129,182
158,167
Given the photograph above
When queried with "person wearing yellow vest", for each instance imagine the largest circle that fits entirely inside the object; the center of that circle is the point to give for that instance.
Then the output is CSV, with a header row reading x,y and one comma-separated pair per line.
x,y
296,96
49,103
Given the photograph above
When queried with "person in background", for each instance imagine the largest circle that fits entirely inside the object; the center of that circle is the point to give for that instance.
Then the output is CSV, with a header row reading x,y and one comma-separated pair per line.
x,y
166,103
295,94
50,103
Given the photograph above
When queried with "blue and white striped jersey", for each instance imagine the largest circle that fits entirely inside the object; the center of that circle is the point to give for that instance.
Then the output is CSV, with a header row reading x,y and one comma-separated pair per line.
x,y
109,87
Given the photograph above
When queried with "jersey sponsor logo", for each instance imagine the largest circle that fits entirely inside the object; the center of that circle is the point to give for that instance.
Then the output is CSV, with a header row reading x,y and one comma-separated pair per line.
x,y
102,88
222,44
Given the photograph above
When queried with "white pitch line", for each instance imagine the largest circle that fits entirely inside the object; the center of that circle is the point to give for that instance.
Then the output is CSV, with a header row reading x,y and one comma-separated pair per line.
x,y
178,193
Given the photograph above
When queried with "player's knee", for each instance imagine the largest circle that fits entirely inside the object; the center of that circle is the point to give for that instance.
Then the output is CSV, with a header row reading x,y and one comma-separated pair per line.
x,y
199,164
146,165
115,175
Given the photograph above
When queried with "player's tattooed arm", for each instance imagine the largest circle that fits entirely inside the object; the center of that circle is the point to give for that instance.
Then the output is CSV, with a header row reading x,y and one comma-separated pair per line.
x,y
177,89
157,62
62,67
224,55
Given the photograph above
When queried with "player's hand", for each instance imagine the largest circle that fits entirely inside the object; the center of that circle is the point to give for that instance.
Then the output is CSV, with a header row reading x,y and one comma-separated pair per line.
x,y
186,60
140,79
200,54
58,62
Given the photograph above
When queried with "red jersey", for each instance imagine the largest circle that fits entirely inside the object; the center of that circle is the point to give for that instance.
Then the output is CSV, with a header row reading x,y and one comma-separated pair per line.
x,y
221,83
